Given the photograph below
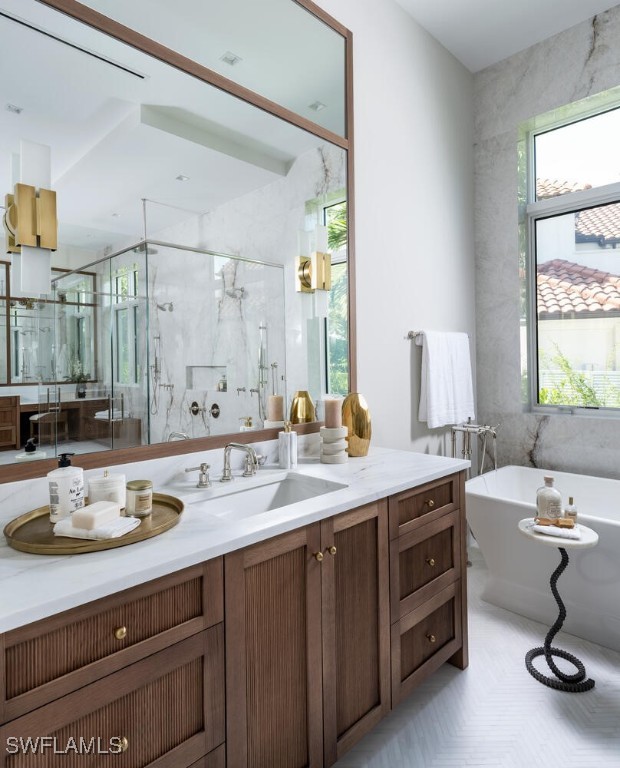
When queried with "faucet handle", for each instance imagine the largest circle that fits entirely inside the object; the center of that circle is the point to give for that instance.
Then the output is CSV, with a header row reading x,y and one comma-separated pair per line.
x,y
251,465
203,477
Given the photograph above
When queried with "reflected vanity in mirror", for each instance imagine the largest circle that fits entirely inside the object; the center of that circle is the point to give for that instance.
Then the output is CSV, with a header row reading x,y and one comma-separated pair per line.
x,y
184,203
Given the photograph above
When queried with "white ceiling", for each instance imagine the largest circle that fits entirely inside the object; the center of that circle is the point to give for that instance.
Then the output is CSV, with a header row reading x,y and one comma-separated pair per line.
x,y
117,139
482,32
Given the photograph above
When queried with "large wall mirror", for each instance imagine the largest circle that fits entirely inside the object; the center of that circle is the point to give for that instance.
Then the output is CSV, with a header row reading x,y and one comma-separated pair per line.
x,y
185,197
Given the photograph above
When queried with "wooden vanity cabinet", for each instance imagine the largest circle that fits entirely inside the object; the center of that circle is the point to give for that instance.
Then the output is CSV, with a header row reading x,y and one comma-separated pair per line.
x,y
307,646
280,655
428,584
146,665
9,422
165,711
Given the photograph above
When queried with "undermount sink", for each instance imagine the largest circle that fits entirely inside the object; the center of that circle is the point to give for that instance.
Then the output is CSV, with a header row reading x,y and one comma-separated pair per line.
x,y
245,498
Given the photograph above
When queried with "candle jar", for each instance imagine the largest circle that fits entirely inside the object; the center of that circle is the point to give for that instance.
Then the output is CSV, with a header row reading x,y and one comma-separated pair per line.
x,y
333,412
139,501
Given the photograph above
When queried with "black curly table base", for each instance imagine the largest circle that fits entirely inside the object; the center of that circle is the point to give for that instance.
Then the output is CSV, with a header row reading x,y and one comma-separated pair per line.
x,y
575,683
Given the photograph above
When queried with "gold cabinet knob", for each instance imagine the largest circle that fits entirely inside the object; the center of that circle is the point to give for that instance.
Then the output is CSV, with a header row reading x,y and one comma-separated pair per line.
x,y
332,550
431,638
430,561
429,503
318,556
120,633
124,744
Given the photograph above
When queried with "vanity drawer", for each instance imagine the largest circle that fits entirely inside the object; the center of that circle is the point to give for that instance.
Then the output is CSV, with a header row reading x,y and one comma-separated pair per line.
x,y
52,657
424,639
419,506
167,711
424,562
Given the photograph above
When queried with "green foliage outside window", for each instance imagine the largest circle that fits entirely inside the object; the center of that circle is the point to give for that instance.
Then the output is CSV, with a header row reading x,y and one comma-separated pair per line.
x,y
576,388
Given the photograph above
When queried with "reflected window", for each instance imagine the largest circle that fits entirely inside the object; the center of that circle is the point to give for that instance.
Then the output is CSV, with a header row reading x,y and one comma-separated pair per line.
x,y
337,341
125,324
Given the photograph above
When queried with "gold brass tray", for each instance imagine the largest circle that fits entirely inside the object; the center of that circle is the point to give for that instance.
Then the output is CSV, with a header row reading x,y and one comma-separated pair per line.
x,y
32,532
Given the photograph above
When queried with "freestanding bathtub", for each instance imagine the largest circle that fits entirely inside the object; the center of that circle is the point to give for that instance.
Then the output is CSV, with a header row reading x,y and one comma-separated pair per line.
x,y
519,569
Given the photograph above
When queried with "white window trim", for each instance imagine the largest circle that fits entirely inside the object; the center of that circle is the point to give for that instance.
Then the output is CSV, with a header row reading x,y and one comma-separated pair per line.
x,y
535,210
117,307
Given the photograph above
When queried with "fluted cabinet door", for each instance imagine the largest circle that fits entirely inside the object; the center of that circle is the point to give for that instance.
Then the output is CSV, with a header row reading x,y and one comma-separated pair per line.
x,y
356,622
273,653
165,711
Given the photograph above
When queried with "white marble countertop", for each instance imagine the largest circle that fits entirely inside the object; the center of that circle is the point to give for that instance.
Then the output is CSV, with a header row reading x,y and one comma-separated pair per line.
x,y
37,586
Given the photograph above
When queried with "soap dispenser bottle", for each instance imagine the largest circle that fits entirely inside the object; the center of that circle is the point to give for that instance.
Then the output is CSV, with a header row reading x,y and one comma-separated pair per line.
x,y
66,488
287,447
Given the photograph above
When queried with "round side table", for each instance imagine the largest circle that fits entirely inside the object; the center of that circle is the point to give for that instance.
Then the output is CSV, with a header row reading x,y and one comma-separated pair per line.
x,y
577,682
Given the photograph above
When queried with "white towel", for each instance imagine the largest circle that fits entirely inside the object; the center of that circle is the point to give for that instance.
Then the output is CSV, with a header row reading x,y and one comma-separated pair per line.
x,y
113,530
553,530
115,414
446,390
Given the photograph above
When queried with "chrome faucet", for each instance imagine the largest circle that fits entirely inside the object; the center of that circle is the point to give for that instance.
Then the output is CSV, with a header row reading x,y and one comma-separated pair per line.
x,y
178,436
251,461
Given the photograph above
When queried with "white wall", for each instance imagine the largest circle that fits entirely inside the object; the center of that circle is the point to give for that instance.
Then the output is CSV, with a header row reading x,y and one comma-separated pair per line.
x,y
570,66
414,208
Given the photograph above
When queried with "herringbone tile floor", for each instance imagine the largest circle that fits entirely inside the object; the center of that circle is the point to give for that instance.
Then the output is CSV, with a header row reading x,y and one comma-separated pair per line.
x,y
494,713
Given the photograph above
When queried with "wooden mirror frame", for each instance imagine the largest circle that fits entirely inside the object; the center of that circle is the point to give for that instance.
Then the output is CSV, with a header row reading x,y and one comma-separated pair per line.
x,y
84,14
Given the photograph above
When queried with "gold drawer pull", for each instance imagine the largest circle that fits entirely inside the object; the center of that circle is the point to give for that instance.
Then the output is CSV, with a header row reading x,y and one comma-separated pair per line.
x,y
124,744
430,561
120,633
431,638
318,556
332,550
429,503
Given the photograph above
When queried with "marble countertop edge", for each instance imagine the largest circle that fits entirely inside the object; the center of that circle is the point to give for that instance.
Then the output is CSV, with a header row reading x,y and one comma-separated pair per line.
x,y
35,587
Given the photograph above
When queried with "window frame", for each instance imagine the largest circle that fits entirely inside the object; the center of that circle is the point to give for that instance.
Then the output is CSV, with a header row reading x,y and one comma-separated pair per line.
x,y
129,303
337,258
531,212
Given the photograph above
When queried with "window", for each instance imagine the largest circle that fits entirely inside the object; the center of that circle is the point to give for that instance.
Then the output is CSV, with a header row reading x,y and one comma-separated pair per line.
x,y
337,328
125,324
572,221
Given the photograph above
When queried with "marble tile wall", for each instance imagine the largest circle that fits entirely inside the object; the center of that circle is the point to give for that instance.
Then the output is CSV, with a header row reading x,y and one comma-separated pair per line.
x,y
212,332
262,225
570,66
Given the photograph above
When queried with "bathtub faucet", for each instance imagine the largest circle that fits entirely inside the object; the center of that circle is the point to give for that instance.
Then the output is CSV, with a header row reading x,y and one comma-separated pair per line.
x,y
483,431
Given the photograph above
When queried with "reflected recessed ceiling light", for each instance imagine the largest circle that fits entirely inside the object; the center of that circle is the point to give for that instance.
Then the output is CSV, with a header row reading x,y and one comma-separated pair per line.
x,y
317,106
230,58
181,177
15,109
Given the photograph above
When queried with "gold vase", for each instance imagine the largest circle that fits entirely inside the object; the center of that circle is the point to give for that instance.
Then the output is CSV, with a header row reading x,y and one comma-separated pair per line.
x,y
356,417
302,408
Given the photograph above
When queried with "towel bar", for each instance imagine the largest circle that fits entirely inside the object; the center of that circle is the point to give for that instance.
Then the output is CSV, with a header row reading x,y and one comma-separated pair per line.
x,y
413,334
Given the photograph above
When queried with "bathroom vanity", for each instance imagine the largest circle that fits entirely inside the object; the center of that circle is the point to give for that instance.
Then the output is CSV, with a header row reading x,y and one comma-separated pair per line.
x,y
269,639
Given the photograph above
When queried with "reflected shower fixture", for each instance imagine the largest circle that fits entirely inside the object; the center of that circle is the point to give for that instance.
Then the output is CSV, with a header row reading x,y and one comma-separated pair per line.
x,y
236,293
150,250
168,305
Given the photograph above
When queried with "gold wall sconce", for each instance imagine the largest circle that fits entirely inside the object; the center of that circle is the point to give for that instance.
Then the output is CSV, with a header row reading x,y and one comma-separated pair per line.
x,y
30,219
314,273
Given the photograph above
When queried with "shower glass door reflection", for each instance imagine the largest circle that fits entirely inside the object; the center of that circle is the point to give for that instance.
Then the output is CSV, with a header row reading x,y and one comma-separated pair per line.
x,y
216,341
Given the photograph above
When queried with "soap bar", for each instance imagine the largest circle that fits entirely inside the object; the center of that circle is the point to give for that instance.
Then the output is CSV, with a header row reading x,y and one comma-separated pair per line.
x,y
94,515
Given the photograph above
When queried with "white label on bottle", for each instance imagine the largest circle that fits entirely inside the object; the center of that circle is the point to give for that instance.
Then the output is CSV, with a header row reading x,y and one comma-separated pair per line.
x,y
554,509
54,499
